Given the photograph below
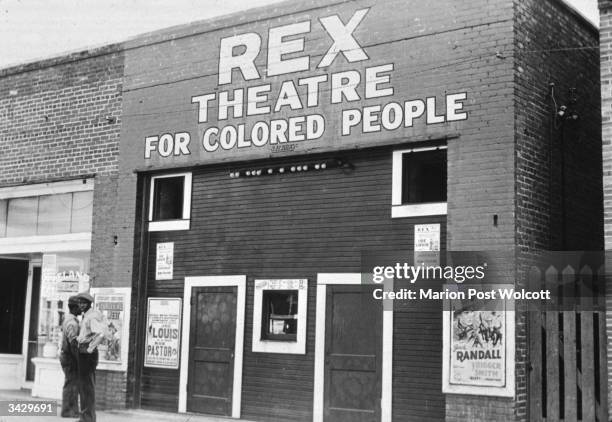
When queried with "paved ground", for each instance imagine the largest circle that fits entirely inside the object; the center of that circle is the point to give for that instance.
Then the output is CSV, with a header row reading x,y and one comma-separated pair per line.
x,y
106,416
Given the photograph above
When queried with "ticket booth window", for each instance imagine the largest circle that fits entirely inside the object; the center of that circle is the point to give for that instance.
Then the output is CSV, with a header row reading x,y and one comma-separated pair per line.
x,y
280,315
419,182
170,202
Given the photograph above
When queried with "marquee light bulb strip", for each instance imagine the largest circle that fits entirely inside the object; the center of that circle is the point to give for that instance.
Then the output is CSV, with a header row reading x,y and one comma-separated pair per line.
x,y
291,168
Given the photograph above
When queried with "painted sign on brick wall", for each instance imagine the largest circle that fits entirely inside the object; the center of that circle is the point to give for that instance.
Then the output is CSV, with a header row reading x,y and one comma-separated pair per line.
x,y
318,83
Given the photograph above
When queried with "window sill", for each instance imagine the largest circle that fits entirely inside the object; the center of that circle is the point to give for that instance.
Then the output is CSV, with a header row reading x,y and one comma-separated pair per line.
x,y
169,225
418,210
276,346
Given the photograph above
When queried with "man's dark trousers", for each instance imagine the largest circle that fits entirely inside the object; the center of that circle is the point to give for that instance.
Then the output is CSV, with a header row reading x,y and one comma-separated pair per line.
x,y
87,385
70,391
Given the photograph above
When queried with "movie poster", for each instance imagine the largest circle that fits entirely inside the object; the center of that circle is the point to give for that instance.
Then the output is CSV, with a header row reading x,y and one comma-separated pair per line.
x,y
478,347
162,347
114,303
478,352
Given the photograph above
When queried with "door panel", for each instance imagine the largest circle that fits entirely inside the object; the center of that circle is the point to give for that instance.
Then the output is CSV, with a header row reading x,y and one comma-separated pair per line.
x,y
211,351
353,350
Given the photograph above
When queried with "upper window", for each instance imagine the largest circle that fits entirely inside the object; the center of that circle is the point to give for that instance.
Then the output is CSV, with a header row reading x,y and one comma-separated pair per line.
x,y
54,214
419,182
170,202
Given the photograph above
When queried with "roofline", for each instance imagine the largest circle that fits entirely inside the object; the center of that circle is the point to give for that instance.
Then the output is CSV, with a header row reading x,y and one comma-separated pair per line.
x,y
63,58
592,26
235,19
232,20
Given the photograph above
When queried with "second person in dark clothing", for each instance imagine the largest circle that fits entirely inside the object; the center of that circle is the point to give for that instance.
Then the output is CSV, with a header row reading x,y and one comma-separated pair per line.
x,y
69,357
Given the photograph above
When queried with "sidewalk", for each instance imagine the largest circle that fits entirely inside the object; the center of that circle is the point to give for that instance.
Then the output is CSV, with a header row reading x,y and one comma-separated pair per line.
x,y
133,415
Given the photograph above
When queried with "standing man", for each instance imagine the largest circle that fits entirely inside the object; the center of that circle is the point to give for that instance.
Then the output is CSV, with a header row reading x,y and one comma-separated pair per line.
x,y
69,358
93,329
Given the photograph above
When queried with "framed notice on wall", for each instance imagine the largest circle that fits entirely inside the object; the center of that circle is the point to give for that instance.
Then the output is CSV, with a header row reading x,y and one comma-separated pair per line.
x,y
478,347
164,263
114,303
427,244
163,339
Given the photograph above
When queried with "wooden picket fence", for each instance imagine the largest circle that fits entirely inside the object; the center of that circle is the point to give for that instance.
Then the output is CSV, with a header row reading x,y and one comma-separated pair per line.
x,y
567,348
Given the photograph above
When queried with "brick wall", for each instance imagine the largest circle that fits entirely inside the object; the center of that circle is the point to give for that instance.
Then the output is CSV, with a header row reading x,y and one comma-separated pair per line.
x,y
59,120
605,38
54,117
480,169
558,162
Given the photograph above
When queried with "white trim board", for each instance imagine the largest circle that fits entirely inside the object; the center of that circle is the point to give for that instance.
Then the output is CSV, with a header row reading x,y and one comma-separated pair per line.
x,y
39,189
42,244
26,321
214,281
386,399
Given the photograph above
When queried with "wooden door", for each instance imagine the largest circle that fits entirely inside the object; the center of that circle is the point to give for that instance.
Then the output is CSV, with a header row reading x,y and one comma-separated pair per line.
x,y
211,350
353,350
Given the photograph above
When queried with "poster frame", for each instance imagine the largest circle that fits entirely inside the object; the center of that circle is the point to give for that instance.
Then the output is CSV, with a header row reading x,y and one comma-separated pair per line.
x,y
180,317
125,329
508,390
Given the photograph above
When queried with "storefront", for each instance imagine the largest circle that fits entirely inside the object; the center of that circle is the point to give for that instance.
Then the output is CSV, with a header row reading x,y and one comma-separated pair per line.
x,y
59,141
45,249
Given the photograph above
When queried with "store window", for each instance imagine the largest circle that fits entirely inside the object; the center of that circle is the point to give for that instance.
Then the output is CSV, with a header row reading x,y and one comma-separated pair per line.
x,y
44,215
279,316
63,275
170,202
419,182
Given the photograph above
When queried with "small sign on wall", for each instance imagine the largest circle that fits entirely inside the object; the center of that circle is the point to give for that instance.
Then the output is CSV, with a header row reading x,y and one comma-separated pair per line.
x,y
427,244
163,333
164,266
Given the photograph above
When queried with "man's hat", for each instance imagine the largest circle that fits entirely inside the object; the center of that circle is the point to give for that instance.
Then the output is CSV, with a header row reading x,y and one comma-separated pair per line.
x,y
86,296
73,300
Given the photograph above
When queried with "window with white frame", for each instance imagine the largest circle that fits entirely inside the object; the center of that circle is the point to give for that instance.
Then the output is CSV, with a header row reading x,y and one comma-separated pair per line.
x,y
59,208
279,316
170,202
419,182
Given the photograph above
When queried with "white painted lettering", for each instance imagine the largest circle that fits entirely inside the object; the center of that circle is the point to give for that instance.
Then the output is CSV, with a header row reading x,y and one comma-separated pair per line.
x,y
343,38
202,101
350,118
454,106
345,84
277,47
245,61
373,79
288,96
235,103
312,89
257,95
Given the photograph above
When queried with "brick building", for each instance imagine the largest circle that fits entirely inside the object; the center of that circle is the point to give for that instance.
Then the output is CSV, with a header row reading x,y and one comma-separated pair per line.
x,y
59,128
263,158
